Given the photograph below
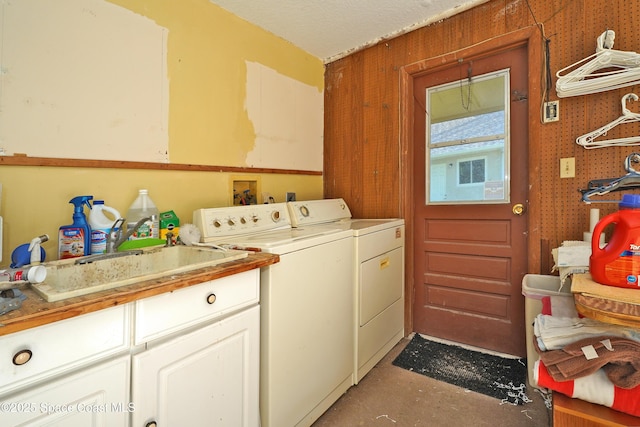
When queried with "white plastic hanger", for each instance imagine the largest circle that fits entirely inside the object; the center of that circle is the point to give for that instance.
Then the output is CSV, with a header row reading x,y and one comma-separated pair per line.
x,y
622,69
588,140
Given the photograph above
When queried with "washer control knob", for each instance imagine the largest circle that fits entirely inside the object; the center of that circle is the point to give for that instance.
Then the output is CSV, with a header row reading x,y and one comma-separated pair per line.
x,y
275,216
243,220
231,222
304,211
217,223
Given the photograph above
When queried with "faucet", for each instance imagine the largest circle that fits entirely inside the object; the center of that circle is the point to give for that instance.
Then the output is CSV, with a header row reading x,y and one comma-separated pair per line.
x,y
116,238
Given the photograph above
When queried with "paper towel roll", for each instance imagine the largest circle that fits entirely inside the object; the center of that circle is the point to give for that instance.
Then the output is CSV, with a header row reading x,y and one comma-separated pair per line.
x,y
587,236
594,217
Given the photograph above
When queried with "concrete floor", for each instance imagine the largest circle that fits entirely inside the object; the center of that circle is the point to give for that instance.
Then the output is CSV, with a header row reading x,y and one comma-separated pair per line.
x,y
392,396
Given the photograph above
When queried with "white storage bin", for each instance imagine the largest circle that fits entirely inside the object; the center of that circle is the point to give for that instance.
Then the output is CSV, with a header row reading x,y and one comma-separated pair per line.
x,y
534,288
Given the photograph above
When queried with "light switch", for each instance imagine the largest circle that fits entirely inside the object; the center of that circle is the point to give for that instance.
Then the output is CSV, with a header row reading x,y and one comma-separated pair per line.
x,y
568,167
551,111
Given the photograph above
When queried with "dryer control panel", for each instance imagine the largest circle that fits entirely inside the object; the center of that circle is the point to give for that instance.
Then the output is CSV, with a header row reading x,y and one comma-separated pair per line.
x,y
312,212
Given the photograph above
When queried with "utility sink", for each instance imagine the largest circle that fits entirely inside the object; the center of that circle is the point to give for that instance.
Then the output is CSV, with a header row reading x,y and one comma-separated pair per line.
x,y
67,278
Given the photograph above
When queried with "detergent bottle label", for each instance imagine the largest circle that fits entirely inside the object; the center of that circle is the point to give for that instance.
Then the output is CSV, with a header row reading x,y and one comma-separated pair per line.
x,y
625,270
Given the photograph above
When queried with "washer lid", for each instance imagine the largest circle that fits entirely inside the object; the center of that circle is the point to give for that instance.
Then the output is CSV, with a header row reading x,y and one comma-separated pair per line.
x,y
278,238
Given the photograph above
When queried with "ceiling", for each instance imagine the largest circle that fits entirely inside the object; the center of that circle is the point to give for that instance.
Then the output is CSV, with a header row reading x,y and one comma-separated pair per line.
x,y
331,29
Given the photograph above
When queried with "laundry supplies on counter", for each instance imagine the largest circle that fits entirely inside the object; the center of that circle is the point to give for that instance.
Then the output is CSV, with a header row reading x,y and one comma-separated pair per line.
x,y
101,225
74,240
31,274
29,253
169,223
35,250
141,208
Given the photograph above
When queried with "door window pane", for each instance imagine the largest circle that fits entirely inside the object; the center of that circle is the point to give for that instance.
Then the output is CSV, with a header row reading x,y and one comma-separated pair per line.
x,y
468,141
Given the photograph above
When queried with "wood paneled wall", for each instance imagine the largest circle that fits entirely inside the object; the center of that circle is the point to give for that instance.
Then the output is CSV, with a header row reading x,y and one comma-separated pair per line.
x,y
363,159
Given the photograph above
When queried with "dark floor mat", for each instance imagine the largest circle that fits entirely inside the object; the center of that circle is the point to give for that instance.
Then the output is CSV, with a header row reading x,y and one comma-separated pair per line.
x,y
494,376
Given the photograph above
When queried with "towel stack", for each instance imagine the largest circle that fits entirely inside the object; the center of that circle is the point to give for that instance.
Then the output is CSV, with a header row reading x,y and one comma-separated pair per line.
x,y
587,359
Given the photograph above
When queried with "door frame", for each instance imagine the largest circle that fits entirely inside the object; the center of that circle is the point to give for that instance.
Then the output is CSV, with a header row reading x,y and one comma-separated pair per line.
x,y
532,38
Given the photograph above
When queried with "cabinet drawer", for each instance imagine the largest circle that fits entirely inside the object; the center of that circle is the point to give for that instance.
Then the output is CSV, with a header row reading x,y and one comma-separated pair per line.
x,y
43,352
92,397
164,314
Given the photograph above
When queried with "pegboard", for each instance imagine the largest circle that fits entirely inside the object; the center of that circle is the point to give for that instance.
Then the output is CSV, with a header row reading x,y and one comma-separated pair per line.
x,y
573,33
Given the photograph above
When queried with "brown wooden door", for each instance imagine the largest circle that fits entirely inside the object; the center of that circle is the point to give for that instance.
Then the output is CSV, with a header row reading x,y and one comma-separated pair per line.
x,y
470,258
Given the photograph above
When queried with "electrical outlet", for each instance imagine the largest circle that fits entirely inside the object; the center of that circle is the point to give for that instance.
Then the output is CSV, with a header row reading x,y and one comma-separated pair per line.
x,y
291,197
551,111
568,167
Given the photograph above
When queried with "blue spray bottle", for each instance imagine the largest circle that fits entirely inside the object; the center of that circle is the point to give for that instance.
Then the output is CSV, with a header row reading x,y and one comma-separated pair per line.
x,y
75,240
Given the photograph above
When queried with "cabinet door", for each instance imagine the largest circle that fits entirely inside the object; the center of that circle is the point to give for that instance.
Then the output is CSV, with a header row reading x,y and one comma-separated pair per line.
x,y
97,396
207,377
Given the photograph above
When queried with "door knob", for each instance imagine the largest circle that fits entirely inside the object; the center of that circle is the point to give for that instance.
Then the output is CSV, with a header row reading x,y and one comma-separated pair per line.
x,y
518,209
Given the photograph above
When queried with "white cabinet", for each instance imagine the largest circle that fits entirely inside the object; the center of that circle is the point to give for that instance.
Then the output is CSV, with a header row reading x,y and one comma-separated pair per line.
x,y
41,353
202,368
96,396
184,358
207,377
161,315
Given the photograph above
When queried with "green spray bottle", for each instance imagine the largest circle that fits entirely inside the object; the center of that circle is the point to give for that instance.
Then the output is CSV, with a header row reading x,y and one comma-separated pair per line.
x,y
75,240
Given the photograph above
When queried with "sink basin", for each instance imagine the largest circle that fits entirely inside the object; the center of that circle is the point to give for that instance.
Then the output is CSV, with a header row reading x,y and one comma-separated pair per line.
x,y
66,278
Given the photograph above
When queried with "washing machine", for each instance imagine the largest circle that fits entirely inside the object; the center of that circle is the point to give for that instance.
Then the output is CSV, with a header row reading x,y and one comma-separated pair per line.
x,y
306,303
378,277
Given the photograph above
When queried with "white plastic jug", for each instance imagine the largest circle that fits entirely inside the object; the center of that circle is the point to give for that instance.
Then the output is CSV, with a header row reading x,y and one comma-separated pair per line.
x,y
143,207
100,225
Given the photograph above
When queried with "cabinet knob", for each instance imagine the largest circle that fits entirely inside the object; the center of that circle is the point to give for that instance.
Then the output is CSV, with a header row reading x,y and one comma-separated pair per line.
x,y
151,424
22,357
211,298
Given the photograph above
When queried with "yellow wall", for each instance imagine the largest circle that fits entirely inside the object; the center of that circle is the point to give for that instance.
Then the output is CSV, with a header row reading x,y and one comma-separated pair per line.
x,y
207,53
35,200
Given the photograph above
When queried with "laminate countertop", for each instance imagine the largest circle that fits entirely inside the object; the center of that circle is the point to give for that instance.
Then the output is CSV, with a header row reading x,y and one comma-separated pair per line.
x,y
36,311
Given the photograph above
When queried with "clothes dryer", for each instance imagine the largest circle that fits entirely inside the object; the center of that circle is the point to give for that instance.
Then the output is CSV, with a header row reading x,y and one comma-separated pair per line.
x,y
378,277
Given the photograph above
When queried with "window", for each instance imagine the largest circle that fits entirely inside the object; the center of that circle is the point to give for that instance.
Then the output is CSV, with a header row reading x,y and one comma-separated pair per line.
x,y
467,141
471,172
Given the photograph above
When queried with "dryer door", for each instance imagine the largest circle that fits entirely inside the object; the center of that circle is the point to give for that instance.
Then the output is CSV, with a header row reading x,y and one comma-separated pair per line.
x,y
380,284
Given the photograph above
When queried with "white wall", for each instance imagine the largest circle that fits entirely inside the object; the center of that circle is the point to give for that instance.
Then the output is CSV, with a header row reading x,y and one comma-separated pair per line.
x,y
82,79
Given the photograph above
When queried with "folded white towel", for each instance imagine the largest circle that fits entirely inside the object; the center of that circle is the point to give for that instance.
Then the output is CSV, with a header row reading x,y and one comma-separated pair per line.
x,y
553,333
